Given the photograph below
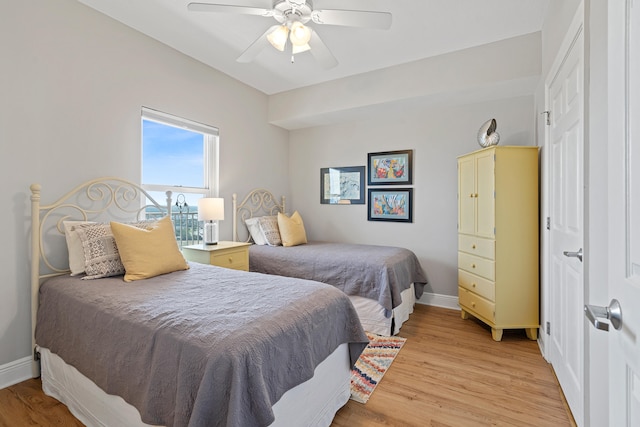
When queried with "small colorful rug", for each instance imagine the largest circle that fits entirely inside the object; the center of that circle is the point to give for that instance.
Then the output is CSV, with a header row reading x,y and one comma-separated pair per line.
x,y
372,364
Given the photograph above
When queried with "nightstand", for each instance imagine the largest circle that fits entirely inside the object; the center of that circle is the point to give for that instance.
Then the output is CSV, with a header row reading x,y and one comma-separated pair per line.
x,y
225,254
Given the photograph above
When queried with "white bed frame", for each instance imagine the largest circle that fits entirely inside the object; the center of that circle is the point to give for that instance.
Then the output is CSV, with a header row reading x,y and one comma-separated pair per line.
x,y
262,202
111,198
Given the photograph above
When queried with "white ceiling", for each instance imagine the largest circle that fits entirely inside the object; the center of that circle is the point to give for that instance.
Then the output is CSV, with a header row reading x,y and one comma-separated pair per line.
x,y
420,29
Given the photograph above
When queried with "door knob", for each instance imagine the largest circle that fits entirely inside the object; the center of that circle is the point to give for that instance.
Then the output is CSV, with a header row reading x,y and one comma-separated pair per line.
x,y
613,312
574,254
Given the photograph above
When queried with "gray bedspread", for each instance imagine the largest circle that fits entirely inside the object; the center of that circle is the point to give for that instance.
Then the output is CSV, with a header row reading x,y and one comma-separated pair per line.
x,y
380,273
203,347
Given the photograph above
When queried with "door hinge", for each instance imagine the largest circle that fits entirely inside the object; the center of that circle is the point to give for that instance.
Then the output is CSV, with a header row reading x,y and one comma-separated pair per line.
x,y
548,223
547,113
548,328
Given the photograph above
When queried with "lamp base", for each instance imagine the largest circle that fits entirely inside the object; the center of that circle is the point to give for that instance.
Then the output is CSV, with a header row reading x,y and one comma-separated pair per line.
x,y
209,237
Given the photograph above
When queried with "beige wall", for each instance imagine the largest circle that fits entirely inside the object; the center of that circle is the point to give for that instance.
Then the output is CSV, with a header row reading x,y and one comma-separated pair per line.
x,y
71,88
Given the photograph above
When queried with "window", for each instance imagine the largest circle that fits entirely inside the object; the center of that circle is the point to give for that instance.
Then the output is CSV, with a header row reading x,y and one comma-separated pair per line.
x,y
181,156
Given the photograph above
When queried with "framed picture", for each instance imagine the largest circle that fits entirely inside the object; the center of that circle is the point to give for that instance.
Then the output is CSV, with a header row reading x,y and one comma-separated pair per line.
x,y
390,167
390,205
342,186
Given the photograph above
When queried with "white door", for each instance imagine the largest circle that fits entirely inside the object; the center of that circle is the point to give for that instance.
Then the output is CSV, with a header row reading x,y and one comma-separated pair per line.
x,y
565,102
624,210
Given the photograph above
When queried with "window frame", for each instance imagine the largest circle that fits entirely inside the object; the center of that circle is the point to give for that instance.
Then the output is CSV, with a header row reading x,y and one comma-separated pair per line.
x,y
211,153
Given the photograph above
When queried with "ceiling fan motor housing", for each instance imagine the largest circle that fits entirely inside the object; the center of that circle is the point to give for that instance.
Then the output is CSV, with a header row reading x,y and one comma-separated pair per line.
x,y
288,11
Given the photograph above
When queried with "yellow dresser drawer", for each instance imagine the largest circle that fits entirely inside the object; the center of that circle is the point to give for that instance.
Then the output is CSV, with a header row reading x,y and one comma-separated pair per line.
x,y
476,265
237,259
485,248
476,304
479,285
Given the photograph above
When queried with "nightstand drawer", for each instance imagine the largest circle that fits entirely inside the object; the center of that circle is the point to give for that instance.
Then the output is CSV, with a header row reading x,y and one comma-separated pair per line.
x,y
237,259
485,248
477,305
476,265
479,285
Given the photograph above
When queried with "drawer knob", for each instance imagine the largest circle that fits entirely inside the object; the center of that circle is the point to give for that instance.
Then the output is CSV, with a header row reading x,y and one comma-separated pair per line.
x,y
230,260
473,266
473,304
471,195
473,285
473,246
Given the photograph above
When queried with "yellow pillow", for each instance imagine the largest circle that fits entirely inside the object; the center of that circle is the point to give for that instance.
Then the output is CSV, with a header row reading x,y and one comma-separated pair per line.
x,y
291,229
148,253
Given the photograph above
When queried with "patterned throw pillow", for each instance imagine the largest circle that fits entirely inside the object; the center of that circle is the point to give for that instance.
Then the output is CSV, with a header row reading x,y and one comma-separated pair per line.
x,y
101,257
270,231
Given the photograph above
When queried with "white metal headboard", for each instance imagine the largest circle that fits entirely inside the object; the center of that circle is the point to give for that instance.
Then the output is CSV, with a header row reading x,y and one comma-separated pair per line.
x,y
101,200
258,202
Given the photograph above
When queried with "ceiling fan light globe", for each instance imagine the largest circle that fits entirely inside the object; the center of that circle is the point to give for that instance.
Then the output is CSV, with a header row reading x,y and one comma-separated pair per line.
x,y
278,37
300,34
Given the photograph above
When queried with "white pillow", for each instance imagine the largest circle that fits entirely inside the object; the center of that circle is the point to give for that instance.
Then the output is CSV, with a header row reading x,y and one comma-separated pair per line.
x,y
74,246
253,225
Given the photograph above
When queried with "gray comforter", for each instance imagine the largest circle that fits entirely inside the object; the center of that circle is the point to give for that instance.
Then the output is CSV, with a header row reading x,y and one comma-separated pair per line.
x,y
203,347
380,273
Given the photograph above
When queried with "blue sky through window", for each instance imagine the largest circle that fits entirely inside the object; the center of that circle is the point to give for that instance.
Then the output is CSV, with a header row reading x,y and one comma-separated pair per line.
x,y
171,155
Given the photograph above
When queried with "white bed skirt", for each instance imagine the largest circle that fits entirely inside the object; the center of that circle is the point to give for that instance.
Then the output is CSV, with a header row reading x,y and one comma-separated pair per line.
x,y
312,403
372,316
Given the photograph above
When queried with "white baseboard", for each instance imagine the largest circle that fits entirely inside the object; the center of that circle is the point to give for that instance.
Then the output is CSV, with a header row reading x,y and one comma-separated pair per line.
x,y
15,372
438,300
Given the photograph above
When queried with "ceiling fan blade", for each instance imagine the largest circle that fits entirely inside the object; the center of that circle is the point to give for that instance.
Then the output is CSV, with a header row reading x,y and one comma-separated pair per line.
x,y
256,47
353,18
321,52
228,8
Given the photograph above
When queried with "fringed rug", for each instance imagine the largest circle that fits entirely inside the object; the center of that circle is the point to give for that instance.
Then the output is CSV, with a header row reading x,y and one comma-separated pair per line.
x,y
372,364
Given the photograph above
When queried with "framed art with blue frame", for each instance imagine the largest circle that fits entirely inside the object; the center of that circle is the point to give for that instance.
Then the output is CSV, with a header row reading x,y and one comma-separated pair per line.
x,y
342,186
390,167
390,204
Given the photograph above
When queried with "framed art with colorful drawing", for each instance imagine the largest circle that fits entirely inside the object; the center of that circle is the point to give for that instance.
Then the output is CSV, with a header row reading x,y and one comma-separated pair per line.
x,y
390,205
390,167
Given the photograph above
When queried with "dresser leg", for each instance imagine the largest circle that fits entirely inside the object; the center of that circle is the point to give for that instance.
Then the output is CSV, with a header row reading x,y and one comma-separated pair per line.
x,y
464,315
496,334
532,333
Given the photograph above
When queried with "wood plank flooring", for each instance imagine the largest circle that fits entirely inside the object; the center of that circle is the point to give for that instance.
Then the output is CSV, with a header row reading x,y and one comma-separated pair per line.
x,y
450,373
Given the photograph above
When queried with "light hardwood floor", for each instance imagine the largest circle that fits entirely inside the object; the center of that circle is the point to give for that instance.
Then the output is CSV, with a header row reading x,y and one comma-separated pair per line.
x,y
449,373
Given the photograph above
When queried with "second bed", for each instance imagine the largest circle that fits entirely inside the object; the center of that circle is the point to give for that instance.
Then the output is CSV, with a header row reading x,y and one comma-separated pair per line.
x,y
382,282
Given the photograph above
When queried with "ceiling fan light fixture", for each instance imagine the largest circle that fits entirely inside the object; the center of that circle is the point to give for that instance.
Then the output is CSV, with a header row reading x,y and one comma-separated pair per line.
x,y
300,48
278,37
300,34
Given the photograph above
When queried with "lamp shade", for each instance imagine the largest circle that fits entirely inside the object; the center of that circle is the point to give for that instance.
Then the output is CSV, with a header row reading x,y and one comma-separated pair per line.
x,y
278,37
210,209
300,35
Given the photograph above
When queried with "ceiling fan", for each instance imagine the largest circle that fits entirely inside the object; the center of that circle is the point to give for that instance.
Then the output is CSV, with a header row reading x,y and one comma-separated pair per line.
x,y
292,15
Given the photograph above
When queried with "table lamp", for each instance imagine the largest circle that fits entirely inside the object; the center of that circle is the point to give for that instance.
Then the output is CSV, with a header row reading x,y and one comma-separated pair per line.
x,y
210,209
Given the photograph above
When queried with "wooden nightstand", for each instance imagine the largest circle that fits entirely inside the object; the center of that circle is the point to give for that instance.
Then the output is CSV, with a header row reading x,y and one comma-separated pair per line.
x,y
225,254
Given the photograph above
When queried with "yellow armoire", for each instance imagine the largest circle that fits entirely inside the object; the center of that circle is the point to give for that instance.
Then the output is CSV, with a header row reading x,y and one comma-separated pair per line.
x,y
498,267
